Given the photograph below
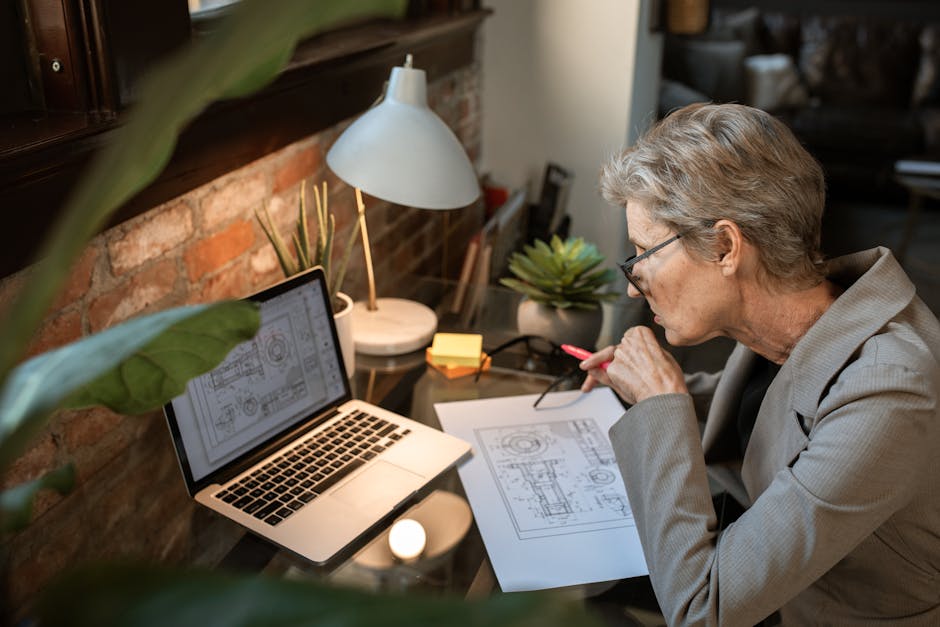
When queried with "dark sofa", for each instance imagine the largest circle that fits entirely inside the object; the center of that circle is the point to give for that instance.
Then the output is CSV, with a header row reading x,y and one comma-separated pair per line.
x,y
859,90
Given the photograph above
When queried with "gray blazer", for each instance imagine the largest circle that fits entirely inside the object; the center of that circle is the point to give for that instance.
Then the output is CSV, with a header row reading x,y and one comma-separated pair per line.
x,y
841,474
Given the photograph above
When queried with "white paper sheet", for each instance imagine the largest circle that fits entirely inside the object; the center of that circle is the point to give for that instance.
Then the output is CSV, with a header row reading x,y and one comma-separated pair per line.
x,y
545,489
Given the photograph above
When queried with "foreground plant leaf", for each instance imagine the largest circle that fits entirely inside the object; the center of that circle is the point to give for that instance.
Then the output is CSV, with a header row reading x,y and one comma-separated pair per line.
x,y
245,53
131,368
149,596
158,371
16,504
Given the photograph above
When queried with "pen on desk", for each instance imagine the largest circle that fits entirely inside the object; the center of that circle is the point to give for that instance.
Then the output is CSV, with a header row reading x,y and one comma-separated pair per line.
x,y
581,353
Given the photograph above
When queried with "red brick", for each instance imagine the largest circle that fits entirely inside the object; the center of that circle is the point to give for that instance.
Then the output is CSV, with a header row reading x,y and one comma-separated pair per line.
x,y
265,267
92,438
343,206
215,251
379,214
341,240
117,505
175,532
107,515
234,282
283,211
56,331
150,237
76,286
240,196
38,564
296,167
134,295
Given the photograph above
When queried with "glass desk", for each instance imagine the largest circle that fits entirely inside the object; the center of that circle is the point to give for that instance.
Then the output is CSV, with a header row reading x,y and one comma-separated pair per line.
x,y
407,385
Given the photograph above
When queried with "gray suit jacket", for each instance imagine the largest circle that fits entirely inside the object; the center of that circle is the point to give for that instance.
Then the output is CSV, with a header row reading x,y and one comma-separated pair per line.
x,y
841,474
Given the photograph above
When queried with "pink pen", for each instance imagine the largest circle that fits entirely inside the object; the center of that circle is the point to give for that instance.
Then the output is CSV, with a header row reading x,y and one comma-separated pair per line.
x,y
581,353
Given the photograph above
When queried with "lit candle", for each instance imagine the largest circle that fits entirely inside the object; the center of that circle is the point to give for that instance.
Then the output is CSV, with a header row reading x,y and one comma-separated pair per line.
x,y
407,539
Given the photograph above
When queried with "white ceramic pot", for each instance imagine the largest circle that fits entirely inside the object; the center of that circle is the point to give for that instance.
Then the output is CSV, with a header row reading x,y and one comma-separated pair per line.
x,y
562,326
344,331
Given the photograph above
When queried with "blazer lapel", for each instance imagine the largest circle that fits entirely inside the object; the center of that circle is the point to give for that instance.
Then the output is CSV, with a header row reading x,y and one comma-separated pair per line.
x,y
788,412
777,439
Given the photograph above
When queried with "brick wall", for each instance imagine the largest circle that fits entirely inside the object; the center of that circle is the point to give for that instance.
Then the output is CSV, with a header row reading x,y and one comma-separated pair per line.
x,y
130,500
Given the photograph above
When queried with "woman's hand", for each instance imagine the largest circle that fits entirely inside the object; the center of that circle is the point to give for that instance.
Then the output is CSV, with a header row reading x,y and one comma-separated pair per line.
x,y
596,374
641,368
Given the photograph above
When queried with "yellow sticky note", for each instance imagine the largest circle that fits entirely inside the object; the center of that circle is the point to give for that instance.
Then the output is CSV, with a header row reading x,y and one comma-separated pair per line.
x,y
456,349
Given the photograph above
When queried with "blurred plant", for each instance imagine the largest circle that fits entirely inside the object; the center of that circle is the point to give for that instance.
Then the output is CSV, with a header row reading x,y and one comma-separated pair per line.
x,y
144,362
322,252
130,368
560,274
246,52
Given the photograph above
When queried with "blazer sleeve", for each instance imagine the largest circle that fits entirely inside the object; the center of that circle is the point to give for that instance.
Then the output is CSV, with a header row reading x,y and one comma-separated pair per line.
x,y
860,464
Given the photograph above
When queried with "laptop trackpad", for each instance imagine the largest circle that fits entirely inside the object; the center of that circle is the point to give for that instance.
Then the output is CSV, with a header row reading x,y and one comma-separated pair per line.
x,y
379,487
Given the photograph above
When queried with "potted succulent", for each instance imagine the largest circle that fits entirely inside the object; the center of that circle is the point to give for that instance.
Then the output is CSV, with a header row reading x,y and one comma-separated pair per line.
x,y
320,254
563,289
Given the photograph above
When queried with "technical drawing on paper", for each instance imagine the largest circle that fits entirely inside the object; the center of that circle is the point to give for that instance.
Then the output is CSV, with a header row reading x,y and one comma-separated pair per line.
x,y
556,477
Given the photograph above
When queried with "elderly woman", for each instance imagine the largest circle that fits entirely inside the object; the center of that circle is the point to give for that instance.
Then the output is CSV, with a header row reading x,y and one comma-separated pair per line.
x,y
829,399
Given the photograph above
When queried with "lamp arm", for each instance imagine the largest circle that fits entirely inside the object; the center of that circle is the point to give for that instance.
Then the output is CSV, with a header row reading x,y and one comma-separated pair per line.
x,y
366,249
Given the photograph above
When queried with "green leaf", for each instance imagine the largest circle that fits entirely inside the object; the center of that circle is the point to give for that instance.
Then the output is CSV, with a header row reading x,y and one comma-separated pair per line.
x,y
340,273
151,596
532,292
246,51
126,367
525,269
601,277
261,74
584,263
303,234
560,273
302,261
327,259
288,265
16,504
158,371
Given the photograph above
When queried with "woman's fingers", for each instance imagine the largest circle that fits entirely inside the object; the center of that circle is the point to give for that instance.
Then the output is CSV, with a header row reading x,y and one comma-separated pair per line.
x,y
642,368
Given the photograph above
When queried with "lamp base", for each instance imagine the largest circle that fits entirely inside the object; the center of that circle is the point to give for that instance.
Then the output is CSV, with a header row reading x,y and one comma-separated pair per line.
x,y
446,518
396,327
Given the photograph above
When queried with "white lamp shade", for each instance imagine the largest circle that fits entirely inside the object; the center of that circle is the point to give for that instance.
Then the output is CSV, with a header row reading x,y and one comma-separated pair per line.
x,y
402,152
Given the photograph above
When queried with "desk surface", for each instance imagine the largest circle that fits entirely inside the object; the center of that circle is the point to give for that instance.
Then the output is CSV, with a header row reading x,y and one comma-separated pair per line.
x,y
405,384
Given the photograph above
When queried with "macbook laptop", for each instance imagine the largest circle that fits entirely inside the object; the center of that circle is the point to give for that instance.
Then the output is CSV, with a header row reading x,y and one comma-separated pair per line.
x,y
272,438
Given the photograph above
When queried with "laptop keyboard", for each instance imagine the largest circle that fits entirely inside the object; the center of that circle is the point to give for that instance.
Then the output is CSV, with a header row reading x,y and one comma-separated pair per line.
x,y
283,485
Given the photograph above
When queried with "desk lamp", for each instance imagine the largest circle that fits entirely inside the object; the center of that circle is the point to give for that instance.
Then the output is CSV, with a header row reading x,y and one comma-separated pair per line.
x,y
401,152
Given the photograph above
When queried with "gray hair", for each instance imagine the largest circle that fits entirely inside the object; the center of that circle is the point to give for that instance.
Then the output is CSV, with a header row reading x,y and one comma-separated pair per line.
x,y
708,162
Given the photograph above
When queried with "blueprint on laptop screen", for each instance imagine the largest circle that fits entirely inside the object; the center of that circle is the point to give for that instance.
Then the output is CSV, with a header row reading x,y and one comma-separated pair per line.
x,y
264,385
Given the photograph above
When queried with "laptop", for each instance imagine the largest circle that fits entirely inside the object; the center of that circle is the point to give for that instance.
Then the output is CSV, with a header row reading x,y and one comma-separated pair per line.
x,y
272,439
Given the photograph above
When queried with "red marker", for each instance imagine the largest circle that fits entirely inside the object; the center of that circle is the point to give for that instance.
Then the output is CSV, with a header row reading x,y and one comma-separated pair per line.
x,y
581,353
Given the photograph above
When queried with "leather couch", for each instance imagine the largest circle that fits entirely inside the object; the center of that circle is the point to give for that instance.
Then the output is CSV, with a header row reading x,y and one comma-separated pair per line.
x,y
859,91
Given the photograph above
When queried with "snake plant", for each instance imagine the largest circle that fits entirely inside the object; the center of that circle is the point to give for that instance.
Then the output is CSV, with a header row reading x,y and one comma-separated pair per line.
x,y
321,254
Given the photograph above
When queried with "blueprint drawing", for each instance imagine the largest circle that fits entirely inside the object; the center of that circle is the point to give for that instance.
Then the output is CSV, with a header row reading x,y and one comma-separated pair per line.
x,y
556,477
263,383
545,491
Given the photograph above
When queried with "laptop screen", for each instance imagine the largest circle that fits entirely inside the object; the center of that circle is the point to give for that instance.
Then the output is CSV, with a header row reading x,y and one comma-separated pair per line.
x,y
291,370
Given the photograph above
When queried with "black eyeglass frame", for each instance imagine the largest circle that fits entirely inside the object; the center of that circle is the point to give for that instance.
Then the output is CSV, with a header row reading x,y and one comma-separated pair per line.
x,y
627,264
555,351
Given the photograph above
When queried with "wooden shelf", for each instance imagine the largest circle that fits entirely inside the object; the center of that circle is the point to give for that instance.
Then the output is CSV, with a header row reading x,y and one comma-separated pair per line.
x,y
331,77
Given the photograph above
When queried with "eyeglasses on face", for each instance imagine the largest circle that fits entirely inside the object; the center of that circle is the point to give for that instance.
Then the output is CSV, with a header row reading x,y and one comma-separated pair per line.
x,y
627,265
